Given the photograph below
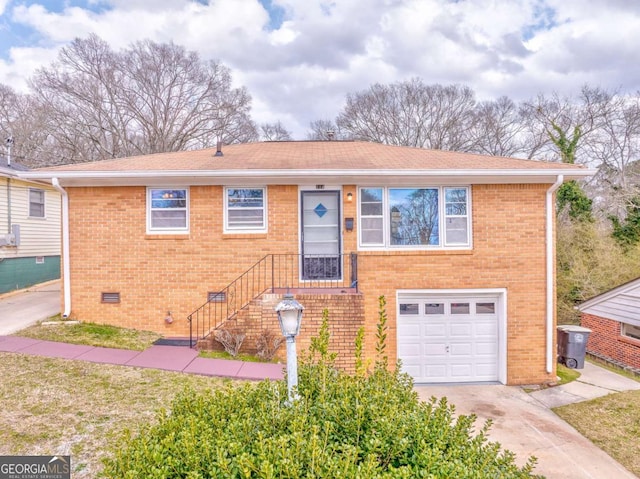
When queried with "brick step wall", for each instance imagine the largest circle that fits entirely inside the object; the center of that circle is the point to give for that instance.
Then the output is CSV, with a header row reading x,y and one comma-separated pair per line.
x,y
346,316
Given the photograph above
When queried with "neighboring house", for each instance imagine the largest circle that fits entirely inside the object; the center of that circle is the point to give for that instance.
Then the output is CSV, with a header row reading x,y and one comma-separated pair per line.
x,y
460,245
30,230
614,319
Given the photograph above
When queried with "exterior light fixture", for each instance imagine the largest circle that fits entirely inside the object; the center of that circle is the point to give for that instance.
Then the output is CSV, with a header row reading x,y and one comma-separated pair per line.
x,y
349,197
290,317
168,319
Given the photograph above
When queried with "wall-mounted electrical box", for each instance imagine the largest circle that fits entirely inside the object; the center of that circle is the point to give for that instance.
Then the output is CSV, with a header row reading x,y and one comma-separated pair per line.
x,y
348,224
11,239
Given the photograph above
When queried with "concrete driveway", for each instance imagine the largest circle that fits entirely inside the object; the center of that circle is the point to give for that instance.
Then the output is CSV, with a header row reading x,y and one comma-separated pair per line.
x,y
527,427
26,307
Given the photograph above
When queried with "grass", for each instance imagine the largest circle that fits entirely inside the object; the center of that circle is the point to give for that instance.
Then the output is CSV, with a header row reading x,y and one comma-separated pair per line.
x,y
225,355
56,406
91,334
612,423
102,335
566,374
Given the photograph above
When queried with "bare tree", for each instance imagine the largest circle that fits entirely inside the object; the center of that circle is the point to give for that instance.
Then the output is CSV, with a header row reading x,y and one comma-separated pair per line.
x,y
615,146
274,132
23,119
411,113
326,130
498,128
146,99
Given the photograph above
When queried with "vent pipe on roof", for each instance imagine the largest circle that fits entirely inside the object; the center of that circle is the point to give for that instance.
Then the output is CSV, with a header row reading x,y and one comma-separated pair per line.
x,y
9,142
219,149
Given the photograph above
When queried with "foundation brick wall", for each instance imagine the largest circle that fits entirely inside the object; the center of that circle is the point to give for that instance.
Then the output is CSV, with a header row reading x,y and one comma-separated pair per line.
x,y
346,317
111,252
605,340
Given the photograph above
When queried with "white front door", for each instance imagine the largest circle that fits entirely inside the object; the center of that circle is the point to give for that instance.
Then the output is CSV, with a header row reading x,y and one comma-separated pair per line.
x,y
321,243
449,339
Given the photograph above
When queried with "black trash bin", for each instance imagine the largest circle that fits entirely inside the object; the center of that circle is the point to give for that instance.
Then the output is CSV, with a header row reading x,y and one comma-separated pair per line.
x,y
572,345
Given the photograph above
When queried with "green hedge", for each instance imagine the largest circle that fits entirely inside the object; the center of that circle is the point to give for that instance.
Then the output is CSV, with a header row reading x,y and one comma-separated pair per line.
x,y
367,425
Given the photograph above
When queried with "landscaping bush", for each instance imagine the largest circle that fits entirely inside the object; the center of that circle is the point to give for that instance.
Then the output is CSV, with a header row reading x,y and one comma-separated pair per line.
x,y
267,344
231,339
370,425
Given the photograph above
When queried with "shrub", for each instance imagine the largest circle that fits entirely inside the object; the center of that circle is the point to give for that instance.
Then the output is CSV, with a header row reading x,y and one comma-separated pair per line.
x,y
231,339
267,344
363,426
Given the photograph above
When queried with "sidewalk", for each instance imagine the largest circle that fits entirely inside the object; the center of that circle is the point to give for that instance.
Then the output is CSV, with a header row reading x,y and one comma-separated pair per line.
x,y
169,358
23,308
594,381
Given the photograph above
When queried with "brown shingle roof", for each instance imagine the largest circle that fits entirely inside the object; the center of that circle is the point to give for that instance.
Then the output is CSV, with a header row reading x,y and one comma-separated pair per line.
x,y
312,155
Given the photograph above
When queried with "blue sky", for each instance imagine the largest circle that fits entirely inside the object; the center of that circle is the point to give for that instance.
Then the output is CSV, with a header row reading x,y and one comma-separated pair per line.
x,y
300,58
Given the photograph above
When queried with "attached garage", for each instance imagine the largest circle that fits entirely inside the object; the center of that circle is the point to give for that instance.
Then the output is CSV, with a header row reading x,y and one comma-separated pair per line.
x,y
452,336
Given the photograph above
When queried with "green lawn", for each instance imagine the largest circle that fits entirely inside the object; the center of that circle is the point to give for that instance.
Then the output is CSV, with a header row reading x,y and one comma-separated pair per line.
x,y
91,334
612,423
56,406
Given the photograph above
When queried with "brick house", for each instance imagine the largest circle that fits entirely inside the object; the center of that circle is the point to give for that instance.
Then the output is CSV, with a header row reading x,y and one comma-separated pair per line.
x,y
614,319
460,245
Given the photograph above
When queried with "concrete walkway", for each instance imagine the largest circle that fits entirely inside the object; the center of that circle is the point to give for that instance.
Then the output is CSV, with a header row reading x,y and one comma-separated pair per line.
x,y
170,358
23,308
593,382
525,424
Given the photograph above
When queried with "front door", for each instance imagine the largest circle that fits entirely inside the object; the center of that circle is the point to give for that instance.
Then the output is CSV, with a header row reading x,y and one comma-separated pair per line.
x,y
321,245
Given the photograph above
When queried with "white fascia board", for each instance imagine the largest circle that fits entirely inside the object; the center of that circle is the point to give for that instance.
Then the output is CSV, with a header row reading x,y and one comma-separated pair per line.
x,y
7,172
619,290
360,177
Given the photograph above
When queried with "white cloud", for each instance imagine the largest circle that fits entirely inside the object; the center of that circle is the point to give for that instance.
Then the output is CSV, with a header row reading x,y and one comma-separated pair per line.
x,y
302,70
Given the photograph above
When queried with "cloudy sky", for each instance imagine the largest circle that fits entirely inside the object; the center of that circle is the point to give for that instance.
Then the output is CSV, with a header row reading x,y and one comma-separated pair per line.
x,y
299,58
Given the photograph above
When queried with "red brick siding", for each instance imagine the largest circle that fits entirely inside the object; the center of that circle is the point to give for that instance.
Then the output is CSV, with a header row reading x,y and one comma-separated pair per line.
x,y
605,340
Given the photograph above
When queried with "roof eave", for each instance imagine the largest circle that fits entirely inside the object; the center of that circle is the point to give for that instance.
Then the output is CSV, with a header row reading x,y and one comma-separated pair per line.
x,y
113,178
600,298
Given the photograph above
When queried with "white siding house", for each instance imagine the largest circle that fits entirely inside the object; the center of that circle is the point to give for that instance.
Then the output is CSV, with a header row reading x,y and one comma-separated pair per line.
x,y
30,235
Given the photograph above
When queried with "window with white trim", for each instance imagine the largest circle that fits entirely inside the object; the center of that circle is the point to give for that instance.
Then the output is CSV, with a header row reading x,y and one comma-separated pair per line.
x,y
420,217
245,210
168,210
36,203
631,331
371,216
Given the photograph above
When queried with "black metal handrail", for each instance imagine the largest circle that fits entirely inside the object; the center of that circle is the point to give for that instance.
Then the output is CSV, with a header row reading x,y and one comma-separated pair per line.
x,y
272,273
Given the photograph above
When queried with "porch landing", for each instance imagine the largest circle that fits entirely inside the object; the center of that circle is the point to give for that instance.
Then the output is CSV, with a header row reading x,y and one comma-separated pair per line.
x,y
314,291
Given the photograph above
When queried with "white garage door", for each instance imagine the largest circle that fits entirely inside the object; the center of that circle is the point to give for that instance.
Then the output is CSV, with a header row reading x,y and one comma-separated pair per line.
x,y
449,339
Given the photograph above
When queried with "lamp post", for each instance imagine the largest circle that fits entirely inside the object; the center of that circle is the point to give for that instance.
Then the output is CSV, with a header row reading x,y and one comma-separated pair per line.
x,y
290,317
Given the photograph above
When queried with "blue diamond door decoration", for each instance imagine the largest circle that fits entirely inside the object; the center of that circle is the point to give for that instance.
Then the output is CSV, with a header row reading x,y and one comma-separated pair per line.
x,y
320,210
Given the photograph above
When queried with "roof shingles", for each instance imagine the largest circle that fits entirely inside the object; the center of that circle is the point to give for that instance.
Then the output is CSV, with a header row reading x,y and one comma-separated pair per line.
x,y
312,155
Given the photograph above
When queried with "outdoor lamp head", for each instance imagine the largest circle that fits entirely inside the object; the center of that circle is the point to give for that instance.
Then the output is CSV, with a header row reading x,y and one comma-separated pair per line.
x,y
289,315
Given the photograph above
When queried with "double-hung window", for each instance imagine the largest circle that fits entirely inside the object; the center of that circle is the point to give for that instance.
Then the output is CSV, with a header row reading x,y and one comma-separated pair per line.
x,y
168,210
245,210
421,217
36,203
